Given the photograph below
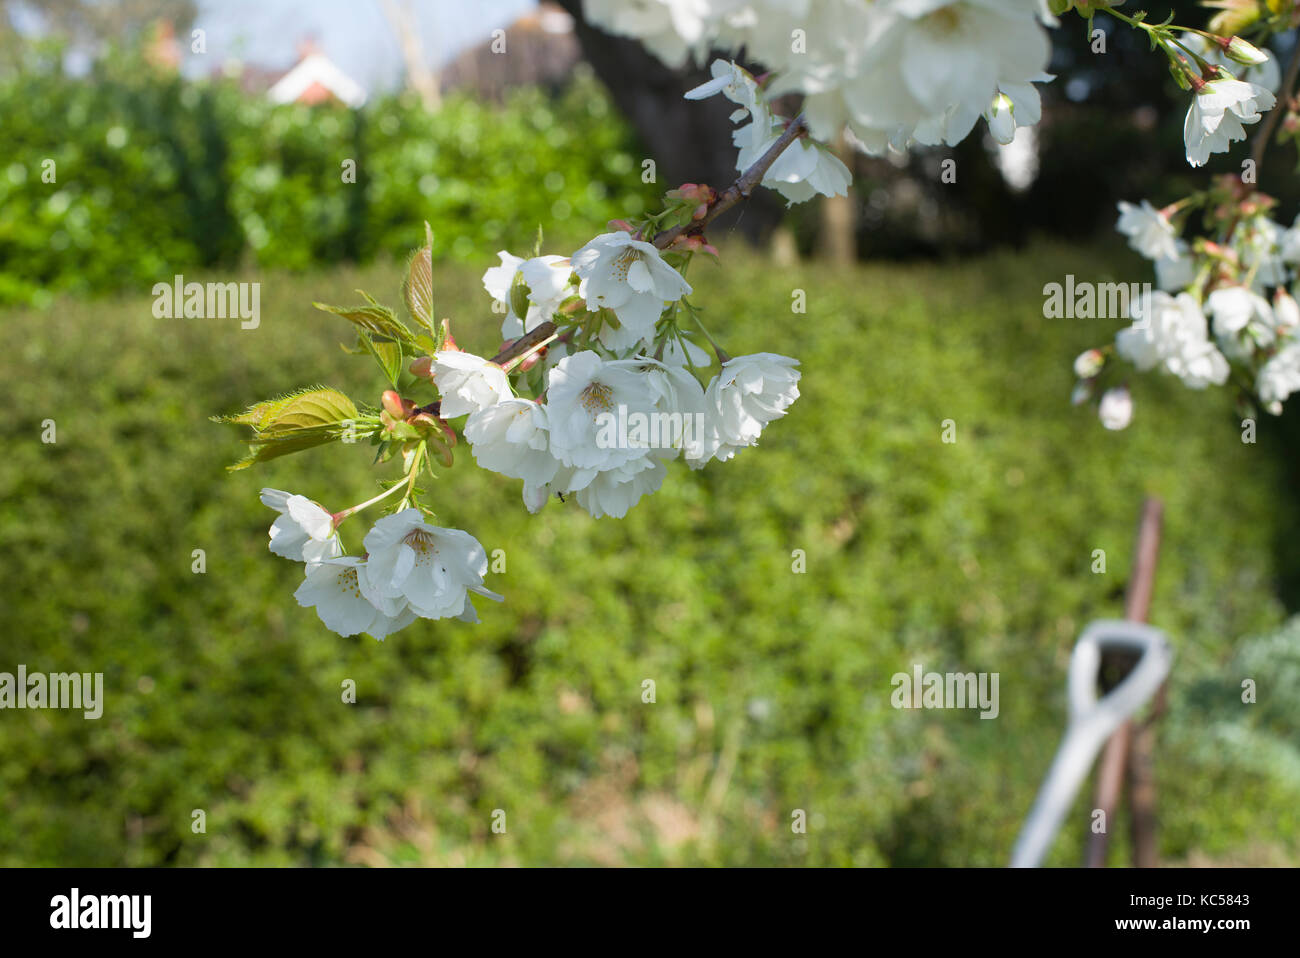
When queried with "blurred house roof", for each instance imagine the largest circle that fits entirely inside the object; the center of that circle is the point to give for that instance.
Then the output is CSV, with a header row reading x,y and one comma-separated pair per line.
x,y
315,79
540,50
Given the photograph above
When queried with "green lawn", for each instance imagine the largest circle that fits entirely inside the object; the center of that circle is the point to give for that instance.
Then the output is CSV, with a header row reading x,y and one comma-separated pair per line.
x,y
772,688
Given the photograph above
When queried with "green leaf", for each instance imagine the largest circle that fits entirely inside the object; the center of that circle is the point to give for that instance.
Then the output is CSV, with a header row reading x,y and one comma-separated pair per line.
x,y
373,318
283,446
417,288
308,409
388,355
256,415
300,420
312,406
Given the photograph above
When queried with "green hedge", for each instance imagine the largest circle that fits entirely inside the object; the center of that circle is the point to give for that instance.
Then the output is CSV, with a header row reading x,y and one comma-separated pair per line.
x,y
772,687
154,176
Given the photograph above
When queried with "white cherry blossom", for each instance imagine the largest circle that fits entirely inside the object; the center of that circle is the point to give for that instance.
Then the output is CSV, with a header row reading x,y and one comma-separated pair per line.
x,y
334,588
1172,332
423,567
746,395
1217,114
547,281
304,532
613,492
1148,230
628,276
513,438
580,389
1279,377
468,383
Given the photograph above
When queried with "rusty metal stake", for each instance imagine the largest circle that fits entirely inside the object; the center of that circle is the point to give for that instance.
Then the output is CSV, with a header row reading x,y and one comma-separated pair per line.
x,y
1132,744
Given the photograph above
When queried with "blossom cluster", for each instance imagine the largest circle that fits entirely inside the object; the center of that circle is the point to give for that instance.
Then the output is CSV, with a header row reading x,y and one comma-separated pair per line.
x,y
1224,306
891,72
594,410
621,405
411,569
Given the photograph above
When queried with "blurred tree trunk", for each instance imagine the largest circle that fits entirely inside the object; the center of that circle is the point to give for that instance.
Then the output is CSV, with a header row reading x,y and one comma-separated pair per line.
x,y
837,242
689,140
419,76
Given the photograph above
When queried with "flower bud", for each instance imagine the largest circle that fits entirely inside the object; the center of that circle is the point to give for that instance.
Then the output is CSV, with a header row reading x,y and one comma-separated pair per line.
x,y
448,341
1116,408
1082,392
519,298
422,367
1002,123
1285,309
1242,52
1089,363
438,448
394,405
397,429
430,426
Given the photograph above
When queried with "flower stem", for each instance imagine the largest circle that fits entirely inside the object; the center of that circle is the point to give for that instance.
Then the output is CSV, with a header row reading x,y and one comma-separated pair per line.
x,y
417,459
340,516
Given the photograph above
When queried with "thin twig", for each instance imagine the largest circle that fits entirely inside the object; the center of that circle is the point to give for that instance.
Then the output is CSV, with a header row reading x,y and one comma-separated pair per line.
x,y
741,188
733,194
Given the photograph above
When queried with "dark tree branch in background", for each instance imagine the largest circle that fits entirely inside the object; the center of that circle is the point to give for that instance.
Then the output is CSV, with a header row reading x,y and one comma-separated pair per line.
x,y
1284,94
651,97
724,201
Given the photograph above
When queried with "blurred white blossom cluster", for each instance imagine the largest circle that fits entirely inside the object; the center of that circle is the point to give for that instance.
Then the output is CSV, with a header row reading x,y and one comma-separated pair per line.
x,y
1223,310
893,72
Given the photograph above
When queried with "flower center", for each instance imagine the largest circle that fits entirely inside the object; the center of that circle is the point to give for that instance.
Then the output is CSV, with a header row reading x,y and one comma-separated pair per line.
x,y
348,582
945,20
624,263
419,540
596,398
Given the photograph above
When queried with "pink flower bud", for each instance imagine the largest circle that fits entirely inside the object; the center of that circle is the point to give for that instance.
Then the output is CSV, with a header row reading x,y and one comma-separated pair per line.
x,y
448,341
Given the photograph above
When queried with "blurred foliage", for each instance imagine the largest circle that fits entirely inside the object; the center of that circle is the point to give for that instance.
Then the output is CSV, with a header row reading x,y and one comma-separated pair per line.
x,y
155,175
772,687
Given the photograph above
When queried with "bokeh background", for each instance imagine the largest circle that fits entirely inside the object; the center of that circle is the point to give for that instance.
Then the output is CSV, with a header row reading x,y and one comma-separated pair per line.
x,y
924,303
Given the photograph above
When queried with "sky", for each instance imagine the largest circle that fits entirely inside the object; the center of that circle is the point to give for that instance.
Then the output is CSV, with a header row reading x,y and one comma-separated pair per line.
x,y
355,34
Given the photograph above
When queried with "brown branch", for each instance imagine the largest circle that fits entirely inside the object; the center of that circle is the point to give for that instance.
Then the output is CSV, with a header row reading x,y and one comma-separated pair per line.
x,y
733,194
1284,94
524,343
740,189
